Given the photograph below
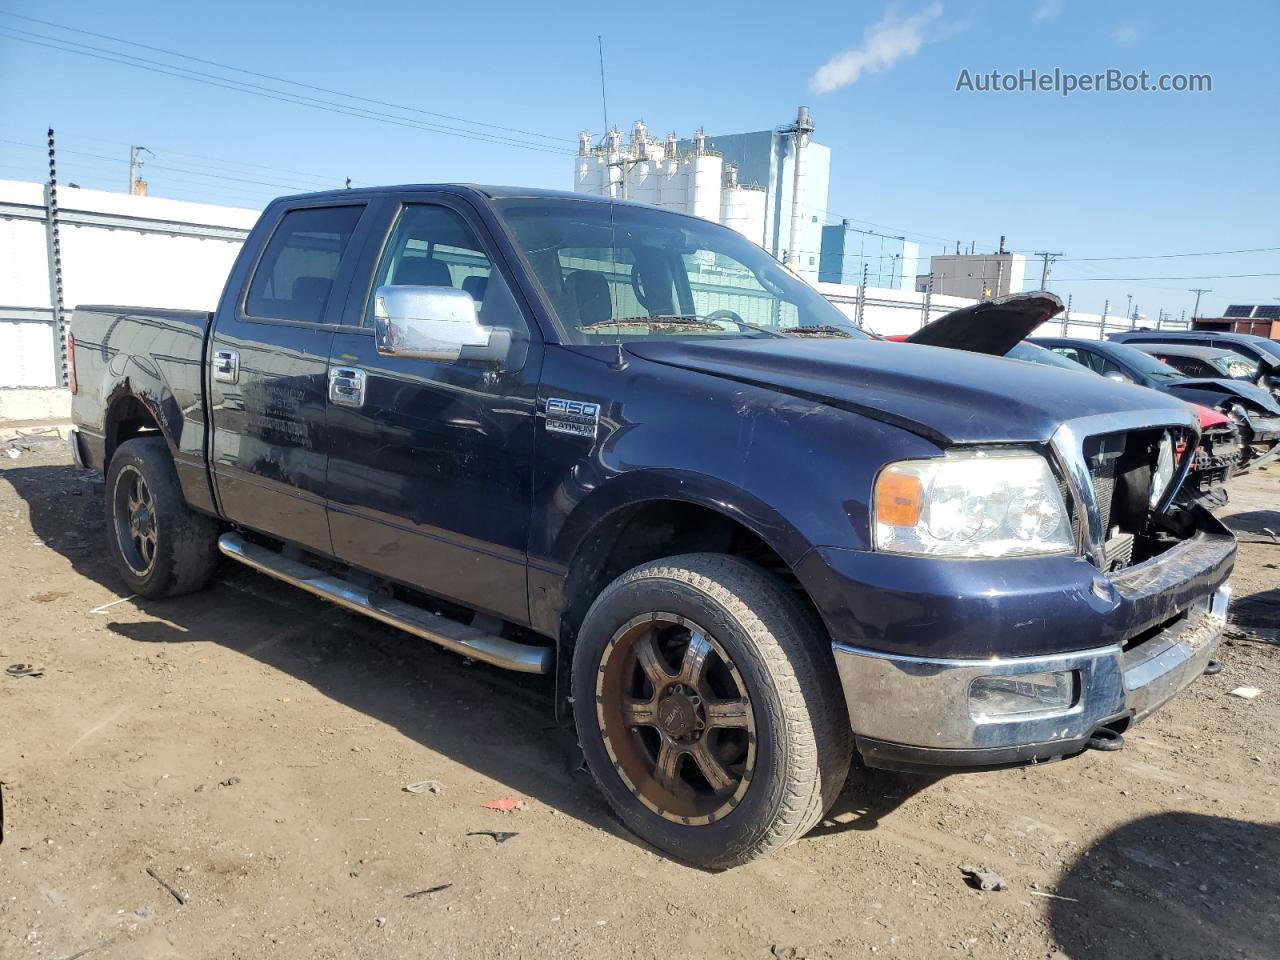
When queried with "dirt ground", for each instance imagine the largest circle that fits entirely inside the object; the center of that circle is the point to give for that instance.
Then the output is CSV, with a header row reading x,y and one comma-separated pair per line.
x,y
250,747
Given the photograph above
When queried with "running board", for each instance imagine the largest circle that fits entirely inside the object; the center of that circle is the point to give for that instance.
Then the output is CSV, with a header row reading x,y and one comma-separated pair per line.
x,y
450,634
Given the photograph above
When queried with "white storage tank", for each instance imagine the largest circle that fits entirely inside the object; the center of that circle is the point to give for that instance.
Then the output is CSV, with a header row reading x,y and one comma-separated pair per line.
x,y
673,185
642,182
742,208
704,172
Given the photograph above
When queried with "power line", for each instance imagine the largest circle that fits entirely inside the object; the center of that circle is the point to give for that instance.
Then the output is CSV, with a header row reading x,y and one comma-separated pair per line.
x,y
1169,256
324,179
158,166
277,79
1216,276
282,96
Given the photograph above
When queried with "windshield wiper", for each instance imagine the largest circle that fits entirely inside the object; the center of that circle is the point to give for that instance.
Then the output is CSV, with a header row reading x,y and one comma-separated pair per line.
x,y
684,320
671,320
817,330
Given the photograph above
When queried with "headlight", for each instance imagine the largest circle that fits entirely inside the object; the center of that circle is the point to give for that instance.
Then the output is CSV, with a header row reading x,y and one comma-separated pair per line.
x,y
981,504
1163,472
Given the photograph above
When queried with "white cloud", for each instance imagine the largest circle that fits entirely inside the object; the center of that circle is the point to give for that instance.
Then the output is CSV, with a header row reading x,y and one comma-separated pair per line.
x,y
888,40
1125,35
1047,10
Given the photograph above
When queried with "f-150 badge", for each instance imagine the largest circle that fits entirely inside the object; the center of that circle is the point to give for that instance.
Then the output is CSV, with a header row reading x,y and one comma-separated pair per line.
x,y
577,418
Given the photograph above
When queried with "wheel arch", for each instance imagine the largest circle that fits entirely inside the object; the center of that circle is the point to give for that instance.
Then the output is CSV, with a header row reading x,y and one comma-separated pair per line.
x,y
128,416
678,515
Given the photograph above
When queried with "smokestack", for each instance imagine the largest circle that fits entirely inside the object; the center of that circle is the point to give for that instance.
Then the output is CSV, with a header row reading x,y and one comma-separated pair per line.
x,y
800,131
1002,243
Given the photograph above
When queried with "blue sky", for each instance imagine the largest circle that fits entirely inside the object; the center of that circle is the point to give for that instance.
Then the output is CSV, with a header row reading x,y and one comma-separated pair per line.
x,y
1091,175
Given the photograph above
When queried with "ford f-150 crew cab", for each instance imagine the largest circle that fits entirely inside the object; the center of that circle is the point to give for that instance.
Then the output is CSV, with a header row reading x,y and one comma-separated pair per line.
x,y
626,448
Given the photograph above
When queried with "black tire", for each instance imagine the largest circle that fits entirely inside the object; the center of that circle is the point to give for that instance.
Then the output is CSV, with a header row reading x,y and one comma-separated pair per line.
x,y
779,655
182,555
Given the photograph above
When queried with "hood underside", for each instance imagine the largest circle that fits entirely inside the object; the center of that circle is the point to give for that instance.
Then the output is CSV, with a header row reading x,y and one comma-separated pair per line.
x,y
993,327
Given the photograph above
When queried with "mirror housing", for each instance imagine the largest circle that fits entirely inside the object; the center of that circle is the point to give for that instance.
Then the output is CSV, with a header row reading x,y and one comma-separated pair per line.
x,y
434,323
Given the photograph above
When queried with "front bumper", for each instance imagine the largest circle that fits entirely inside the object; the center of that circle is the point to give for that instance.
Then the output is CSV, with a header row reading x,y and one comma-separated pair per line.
x,y
913,713
1160,624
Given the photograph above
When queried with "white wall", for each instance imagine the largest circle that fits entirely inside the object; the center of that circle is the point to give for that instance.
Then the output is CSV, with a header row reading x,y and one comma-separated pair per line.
x,y
115,249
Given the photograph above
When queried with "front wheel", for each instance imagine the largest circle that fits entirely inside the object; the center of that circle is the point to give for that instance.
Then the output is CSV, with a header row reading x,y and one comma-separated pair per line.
x,y
708,709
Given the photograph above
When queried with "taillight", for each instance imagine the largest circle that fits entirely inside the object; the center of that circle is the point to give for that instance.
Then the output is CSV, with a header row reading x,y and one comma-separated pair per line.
x,y
72,380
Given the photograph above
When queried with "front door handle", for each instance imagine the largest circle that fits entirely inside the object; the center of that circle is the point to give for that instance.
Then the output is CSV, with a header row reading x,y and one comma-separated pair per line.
x,y
346,386
226,366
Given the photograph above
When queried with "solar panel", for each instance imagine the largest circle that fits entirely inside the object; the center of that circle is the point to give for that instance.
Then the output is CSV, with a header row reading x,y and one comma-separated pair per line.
x,y
1239,310
1270,311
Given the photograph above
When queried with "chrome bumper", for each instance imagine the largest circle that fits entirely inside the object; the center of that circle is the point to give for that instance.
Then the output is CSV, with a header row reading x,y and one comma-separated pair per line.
x,y
914,712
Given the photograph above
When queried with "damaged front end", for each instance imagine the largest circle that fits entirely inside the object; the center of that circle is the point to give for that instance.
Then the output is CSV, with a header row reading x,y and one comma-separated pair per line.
x,y
1077,649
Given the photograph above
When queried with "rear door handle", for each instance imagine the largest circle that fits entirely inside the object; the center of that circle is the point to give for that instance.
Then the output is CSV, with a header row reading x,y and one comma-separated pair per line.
x,y
346,386
226,366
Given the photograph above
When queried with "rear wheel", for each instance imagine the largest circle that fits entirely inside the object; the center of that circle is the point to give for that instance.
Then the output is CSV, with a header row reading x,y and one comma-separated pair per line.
x,y
708,709
159,545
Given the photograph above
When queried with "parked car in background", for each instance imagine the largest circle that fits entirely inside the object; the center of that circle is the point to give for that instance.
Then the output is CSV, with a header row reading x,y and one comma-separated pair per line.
x,y
1266,353
1255,411
1210,362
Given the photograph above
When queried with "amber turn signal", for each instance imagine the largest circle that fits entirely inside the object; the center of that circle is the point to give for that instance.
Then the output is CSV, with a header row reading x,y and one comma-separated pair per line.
x,y
899,498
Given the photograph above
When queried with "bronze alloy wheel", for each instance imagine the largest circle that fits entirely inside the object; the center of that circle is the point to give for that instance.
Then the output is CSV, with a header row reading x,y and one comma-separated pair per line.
x,y
676,719
135,520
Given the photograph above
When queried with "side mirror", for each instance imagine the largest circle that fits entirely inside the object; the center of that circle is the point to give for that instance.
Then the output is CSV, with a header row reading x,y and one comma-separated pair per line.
x,y
1117,377
434,323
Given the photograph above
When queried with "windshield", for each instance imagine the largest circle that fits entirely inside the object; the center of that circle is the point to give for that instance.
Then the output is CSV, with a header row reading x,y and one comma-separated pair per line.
x,y
1034,354
1145,363
1236,366
620,272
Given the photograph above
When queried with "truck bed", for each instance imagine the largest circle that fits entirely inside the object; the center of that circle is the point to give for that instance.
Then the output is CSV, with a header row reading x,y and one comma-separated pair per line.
x,y
150,360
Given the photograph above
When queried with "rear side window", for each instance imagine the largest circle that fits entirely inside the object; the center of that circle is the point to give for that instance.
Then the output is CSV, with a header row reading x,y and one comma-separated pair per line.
x,y
295,276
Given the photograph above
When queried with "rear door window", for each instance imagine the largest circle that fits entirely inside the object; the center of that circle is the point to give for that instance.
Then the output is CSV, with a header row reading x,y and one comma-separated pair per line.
x,y
295,277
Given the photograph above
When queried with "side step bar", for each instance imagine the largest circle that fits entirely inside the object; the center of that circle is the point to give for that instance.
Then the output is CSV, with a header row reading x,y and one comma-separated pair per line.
x,y
450,634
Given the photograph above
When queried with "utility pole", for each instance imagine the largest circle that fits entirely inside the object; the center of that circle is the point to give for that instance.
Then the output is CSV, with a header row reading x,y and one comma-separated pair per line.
x,y
1066,316
1102,330
928,299
135,167
1044,273
1133,318
1195,311
1128,307
862,297
53,242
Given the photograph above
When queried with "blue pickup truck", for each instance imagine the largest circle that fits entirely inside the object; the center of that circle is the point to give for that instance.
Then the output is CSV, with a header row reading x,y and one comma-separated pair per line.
x,y
624,447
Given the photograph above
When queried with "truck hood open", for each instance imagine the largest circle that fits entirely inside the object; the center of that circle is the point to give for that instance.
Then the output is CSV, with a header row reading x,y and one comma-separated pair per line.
x,y
947,396
993,326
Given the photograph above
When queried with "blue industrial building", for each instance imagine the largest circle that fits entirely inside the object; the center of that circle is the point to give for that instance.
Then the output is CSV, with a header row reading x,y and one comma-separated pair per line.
x,y
890,262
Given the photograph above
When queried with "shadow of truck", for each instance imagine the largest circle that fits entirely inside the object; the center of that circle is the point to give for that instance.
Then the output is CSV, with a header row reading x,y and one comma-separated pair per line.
x,y
1173,886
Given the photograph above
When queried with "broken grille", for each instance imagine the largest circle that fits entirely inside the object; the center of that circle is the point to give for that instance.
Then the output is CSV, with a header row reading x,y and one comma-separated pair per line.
x,y
1121,470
